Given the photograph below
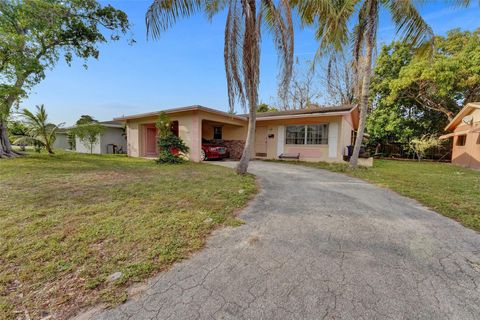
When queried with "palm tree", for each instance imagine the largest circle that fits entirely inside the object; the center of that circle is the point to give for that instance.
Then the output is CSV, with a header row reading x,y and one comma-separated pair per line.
x,y
39,131
332,19
241,48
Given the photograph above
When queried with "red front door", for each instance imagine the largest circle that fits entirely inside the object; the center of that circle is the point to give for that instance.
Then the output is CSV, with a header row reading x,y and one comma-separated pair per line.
x,y
151,141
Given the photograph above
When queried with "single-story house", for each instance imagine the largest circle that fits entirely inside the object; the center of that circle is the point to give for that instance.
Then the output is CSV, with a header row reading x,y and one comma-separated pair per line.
x,y
112,140
465,131
315,134
61,140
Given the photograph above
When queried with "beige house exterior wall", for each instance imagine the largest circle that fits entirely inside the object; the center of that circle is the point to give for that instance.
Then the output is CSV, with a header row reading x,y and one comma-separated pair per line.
x,y
469,154
190,130
340,128
136,132
229,132
197,124
232,128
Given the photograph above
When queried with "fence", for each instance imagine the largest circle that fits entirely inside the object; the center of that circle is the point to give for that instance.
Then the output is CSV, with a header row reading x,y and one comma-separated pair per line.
x,y
400,150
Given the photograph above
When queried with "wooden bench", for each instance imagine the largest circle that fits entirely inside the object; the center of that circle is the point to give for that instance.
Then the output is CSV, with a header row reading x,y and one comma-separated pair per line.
x,y
289,156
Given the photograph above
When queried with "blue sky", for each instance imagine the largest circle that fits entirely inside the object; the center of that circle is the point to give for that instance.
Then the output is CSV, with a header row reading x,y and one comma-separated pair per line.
x,y
184,67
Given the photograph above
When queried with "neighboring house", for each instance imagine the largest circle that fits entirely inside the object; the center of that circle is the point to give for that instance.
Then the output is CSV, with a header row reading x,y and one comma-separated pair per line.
x,y
61,140
465,129
316,134
113,140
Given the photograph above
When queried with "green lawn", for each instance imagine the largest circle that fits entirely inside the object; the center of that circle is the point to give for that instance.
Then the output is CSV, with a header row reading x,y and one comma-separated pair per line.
x,y
450,190
69,221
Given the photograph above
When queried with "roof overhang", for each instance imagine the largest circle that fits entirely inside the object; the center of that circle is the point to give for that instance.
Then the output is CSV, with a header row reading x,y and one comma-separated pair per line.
x,y
309,115
179,110
112,125
106,125
320,113
453,134
462,113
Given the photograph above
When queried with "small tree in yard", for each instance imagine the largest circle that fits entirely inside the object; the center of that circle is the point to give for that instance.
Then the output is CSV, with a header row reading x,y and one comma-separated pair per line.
x,y
39,131
89,134
171,147
422,145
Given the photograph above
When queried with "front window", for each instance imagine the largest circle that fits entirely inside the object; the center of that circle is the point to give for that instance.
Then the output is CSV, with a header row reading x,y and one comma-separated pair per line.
x,y
217,133
307,134
174,127
353,136
295,135
317,134
461,140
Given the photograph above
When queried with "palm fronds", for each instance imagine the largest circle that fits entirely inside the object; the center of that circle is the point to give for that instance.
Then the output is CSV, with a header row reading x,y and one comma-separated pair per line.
x,y
409,24
234,33
39,130
278,19
242,45
163,14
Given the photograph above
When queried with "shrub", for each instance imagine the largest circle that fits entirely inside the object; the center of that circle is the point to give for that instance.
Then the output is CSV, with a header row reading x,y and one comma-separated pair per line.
x,y
89,134
421,146
171,147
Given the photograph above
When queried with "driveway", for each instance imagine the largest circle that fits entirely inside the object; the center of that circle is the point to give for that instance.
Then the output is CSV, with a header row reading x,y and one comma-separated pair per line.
x,y
320,245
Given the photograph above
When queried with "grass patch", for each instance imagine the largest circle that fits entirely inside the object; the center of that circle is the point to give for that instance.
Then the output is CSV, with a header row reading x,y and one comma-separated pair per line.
x,y
450,190
68,221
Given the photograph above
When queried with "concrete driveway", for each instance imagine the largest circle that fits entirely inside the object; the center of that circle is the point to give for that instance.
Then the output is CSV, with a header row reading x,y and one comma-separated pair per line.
x,y
319,245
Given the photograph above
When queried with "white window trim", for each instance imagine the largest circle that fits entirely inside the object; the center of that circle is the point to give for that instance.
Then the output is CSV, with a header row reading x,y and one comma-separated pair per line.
x,y
306,135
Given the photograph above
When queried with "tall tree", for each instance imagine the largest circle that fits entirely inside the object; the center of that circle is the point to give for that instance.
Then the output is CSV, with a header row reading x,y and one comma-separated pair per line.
x,y
338,79
447,80
39,130
242,46
414,96
84,119
303,90
332,20
34,34
263,107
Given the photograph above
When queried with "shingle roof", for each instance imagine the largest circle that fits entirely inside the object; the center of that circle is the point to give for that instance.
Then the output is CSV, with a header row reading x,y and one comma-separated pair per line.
x,y
180,109
314,109
311,110
110,124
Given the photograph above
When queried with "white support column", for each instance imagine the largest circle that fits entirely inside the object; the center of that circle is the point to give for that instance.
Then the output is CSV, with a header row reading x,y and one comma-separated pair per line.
x,y
280,140
332,139
195,138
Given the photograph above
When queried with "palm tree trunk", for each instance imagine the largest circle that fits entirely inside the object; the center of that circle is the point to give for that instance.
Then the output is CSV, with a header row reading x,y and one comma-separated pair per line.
x,y
49,148
363,100
251,70
47,142
242,166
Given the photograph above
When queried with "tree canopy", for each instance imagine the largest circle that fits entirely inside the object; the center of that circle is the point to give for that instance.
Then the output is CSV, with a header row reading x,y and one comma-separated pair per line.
x,y
263,107
85,118
34,34
89,134
445,81
416,95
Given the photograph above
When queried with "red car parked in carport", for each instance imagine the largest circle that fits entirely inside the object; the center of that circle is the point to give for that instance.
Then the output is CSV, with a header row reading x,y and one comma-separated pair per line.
x,y
213,150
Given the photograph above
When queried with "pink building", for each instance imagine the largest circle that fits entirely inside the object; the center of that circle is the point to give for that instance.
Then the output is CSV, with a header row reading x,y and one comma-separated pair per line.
x,y
316,134
465,131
